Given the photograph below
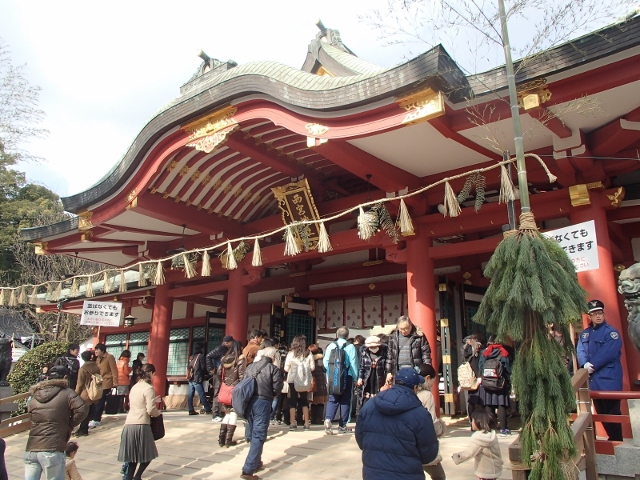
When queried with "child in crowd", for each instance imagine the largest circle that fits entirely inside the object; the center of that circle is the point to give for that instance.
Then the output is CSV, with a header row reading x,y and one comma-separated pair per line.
x,y
484,447
433,469
71,470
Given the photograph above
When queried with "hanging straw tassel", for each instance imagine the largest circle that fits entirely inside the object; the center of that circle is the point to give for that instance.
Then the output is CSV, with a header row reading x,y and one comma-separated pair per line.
x,y
404,220
324,244
507,194
451,205
89,291
57,292
142,278
189,266
75,287
206,264
22,296
107,283
123,283
365,228
33,298
291,246
256,261
13,301
159,276
3,298
230,260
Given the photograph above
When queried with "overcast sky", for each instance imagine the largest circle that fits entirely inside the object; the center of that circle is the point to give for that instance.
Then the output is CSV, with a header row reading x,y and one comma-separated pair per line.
x,y
105,69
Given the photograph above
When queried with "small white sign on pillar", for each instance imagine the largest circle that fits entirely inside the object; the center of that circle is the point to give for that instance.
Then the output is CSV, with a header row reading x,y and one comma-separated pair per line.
x,y
101,314
580,243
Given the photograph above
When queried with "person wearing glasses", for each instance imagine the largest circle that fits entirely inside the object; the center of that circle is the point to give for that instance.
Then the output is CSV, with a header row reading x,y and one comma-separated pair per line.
x,y
599,349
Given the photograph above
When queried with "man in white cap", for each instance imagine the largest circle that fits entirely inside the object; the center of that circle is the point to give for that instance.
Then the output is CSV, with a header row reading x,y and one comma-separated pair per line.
x,y
599,349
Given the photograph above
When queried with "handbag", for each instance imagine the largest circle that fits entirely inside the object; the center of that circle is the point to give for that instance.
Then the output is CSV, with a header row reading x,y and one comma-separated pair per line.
x,y
225,394
157,427
314,386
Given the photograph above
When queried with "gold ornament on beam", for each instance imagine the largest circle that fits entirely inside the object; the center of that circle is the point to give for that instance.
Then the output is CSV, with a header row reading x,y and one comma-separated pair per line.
x,y
422,106
209,132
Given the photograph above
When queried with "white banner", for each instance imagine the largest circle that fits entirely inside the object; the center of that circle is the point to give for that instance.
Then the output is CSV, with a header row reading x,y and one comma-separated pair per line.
x,y
101,314
580,243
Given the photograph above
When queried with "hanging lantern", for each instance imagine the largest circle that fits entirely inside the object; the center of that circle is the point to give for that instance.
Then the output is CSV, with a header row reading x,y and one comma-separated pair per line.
x,y
129,321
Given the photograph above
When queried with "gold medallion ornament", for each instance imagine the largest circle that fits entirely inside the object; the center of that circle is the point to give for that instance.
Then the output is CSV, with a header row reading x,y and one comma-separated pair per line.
x,y
422,106
207,133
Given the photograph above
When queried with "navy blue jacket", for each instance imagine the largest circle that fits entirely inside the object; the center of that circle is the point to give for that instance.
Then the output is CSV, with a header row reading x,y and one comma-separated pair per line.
x,y
396,436
602,346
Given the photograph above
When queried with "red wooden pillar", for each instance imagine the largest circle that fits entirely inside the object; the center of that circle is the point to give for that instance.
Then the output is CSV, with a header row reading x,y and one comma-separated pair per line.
x,y
237,303
159,337
421,295
602,284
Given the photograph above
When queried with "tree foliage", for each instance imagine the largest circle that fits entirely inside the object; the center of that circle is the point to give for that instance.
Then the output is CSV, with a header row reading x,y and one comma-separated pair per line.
x,y
25,372
533,284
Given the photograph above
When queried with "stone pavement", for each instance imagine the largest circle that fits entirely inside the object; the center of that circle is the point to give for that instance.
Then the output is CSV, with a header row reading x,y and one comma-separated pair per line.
x,y
190,450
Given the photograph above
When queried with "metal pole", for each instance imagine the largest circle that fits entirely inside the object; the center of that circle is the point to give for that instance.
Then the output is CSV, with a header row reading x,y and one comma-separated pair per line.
x,y
515,113
511,207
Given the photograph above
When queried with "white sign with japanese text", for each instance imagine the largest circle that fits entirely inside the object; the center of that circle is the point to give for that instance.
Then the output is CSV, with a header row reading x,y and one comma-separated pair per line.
x,y
101,314
580,243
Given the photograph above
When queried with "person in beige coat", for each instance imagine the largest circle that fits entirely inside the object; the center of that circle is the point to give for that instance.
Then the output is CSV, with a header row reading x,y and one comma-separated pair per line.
x,y
89,368
484,447
137,446
109,371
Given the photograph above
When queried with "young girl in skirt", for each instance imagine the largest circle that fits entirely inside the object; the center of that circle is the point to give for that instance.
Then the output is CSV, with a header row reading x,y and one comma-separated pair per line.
x,y
137,446
484,447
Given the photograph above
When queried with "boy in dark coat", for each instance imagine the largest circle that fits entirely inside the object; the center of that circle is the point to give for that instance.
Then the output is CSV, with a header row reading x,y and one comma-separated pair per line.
x,y
395,432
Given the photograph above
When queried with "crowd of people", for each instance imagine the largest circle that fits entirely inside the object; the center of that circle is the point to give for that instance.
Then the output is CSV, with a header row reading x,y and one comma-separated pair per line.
x,y
384,382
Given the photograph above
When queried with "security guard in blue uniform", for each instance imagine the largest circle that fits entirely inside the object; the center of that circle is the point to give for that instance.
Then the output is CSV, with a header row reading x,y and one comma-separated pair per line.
x,y
599,350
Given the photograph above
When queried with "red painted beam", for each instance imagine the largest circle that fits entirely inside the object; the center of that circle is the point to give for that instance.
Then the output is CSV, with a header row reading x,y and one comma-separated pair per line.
x,y
379,288
613,137
202,289
155,206
442,125
385,176
473,247
259,154
142,231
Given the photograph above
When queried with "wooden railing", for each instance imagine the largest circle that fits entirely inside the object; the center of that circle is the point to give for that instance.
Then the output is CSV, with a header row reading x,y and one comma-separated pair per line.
x,y
16,424
583,434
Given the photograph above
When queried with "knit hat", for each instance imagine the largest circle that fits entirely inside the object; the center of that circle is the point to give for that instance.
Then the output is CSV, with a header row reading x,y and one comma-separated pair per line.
x,y
372,341
408,377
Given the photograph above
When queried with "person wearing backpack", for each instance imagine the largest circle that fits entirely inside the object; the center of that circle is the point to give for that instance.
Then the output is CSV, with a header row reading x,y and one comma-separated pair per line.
x,y
495,372
341,363
86,375
268,384
70,361
299,365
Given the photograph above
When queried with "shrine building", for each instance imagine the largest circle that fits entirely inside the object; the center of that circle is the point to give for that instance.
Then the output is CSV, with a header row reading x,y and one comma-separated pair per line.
x,y
245,150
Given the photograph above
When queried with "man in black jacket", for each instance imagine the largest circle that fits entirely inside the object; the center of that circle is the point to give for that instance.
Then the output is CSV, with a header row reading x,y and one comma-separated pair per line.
x,y
408,347
213,363
269,384
70,361
196,373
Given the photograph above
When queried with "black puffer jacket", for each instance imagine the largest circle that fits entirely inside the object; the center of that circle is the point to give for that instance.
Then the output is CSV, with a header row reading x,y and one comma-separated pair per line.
x,y
55,409
269,379
198,365
420,350
365,370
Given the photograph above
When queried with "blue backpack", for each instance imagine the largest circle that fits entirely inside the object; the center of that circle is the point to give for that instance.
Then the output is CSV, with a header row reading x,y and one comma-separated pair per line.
x,y
243,392
337,374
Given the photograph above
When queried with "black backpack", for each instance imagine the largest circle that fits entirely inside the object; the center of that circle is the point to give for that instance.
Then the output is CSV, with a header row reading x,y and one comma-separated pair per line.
x,y
337,374
493,375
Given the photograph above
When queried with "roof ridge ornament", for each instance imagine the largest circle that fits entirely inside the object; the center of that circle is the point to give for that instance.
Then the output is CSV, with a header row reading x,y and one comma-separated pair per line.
x,y
332,37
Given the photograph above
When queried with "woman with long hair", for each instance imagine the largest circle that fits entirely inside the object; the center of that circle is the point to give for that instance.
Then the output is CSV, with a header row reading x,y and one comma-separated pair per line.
x,y
233,365
298,365
137,446
122,390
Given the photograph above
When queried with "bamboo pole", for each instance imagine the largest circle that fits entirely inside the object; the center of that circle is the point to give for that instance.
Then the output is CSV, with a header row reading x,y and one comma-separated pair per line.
x,y
515,114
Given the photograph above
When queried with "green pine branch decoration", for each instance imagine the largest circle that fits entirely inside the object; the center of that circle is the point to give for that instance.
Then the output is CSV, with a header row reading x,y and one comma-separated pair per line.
x,y
533,284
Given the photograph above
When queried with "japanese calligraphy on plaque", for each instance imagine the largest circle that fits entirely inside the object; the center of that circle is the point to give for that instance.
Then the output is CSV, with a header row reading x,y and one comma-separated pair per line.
x,y
580,243
296,202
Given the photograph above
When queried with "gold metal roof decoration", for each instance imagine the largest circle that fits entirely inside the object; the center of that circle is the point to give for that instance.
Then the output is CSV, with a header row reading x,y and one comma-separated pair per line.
x,y
84,220
209,132
422,106
533,94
